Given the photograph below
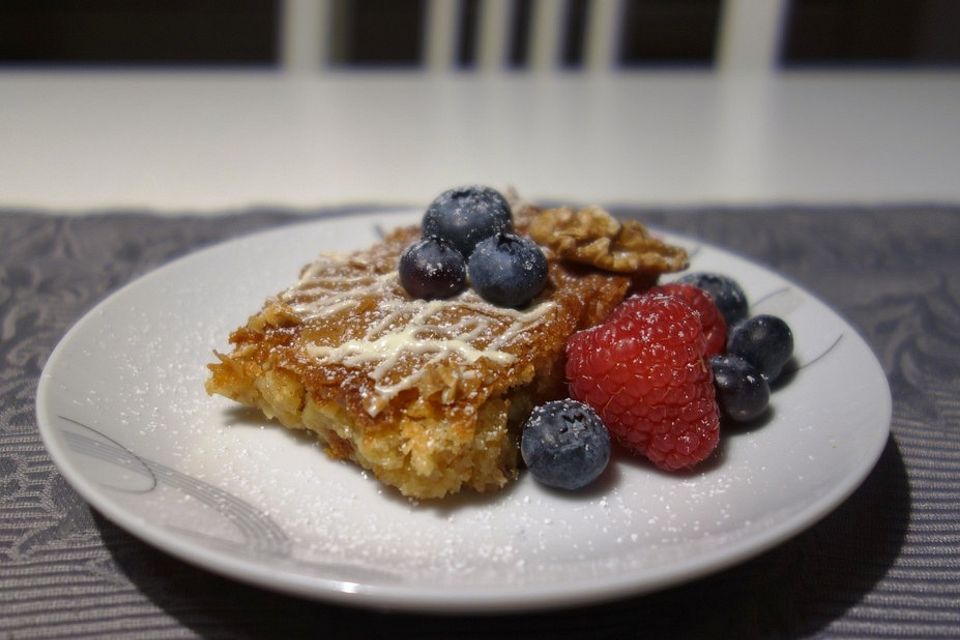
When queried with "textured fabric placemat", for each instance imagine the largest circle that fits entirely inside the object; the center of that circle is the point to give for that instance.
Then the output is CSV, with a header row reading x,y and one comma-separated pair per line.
x,y
885,564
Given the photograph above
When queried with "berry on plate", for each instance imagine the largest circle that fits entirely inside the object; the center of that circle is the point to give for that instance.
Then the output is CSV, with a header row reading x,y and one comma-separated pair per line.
x,y
714,326
565,444
727,294
644,373
742,393
508,270
432,268
764,341
464,216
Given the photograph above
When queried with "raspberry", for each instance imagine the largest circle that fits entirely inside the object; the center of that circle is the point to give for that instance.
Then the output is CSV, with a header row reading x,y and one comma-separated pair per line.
x,y
643,371
714,325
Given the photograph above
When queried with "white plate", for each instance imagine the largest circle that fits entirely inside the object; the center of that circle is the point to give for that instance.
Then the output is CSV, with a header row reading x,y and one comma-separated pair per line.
x,y
122,410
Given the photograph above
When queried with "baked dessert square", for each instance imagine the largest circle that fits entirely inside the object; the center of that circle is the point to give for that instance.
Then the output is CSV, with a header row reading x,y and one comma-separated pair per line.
x,y
427,395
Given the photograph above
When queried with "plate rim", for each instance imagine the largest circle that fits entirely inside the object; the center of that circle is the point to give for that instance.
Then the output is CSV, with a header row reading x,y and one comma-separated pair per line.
x,y
416,598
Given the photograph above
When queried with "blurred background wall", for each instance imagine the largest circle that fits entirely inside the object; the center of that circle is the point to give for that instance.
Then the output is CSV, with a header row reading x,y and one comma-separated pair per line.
x,y
394,33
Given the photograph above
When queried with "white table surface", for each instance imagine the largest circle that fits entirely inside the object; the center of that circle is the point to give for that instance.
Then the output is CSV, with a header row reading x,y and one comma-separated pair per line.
x,y
204,141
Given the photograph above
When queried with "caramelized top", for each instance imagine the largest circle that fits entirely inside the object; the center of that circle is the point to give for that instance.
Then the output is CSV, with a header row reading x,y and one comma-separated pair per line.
x,y
350,331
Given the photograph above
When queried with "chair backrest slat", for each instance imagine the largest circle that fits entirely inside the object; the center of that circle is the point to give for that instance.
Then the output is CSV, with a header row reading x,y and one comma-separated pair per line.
x,y
602,45
546,34
305,34
749,34
441,34
493,37
748,39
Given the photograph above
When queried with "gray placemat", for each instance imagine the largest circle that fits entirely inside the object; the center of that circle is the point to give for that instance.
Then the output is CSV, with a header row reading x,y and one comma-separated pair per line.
x,y
885,564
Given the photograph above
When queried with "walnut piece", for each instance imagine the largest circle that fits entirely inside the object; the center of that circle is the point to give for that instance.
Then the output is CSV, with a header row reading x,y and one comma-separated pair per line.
x,y
594,237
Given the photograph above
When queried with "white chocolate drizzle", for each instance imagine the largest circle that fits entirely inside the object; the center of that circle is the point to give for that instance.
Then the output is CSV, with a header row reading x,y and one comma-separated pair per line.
x,y
332,289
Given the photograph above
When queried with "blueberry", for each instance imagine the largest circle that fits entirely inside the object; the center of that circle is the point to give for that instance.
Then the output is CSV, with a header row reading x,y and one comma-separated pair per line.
x,y
508,270
727,294
742,393
764,341
565,444
466,215
432,268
